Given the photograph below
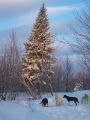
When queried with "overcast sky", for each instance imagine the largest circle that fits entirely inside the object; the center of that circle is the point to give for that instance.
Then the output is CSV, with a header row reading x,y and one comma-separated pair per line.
x,y
20,15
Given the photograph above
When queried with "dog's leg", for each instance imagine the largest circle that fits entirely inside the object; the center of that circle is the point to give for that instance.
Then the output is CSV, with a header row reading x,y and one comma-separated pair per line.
x,y
75,103
47,105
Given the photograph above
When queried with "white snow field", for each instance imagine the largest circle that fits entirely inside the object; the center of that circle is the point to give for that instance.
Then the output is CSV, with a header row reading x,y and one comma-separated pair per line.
x,y
21,109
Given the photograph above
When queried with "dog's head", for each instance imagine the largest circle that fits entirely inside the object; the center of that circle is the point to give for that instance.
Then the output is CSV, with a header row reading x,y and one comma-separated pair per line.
x,y
64,96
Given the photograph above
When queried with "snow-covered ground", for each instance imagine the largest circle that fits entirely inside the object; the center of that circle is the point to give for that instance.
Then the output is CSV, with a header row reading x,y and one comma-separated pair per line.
x,y
32,110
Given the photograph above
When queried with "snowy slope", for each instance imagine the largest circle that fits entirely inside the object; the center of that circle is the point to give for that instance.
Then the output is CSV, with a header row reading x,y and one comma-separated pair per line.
x,y
24,110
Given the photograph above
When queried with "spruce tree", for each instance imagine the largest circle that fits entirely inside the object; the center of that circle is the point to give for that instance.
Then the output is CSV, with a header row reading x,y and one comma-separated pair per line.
x,y
38,56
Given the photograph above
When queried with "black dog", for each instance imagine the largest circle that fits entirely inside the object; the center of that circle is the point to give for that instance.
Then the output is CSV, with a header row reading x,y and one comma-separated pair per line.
x,y
71,99
44,102
3,98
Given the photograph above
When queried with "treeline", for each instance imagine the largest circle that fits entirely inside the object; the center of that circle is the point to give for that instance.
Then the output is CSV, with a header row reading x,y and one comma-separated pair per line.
x,y
65,78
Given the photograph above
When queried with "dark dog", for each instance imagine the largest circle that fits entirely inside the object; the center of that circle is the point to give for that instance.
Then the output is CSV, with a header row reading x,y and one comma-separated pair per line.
x,y
71,99
3,98
44,102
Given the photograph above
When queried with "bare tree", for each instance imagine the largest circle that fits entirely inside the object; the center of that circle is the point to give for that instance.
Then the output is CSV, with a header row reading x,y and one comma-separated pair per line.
x,y
57,78
67,72
81,35
10,65
82,79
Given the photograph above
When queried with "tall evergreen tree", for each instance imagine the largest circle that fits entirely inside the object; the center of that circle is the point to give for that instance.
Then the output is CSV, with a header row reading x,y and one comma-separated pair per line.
x,y
38,56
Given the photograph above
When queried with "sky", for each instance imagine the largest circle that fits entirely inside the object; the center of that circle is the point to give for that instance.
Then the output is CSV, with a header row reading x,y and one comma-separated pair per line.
x,y
16,13
19,15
